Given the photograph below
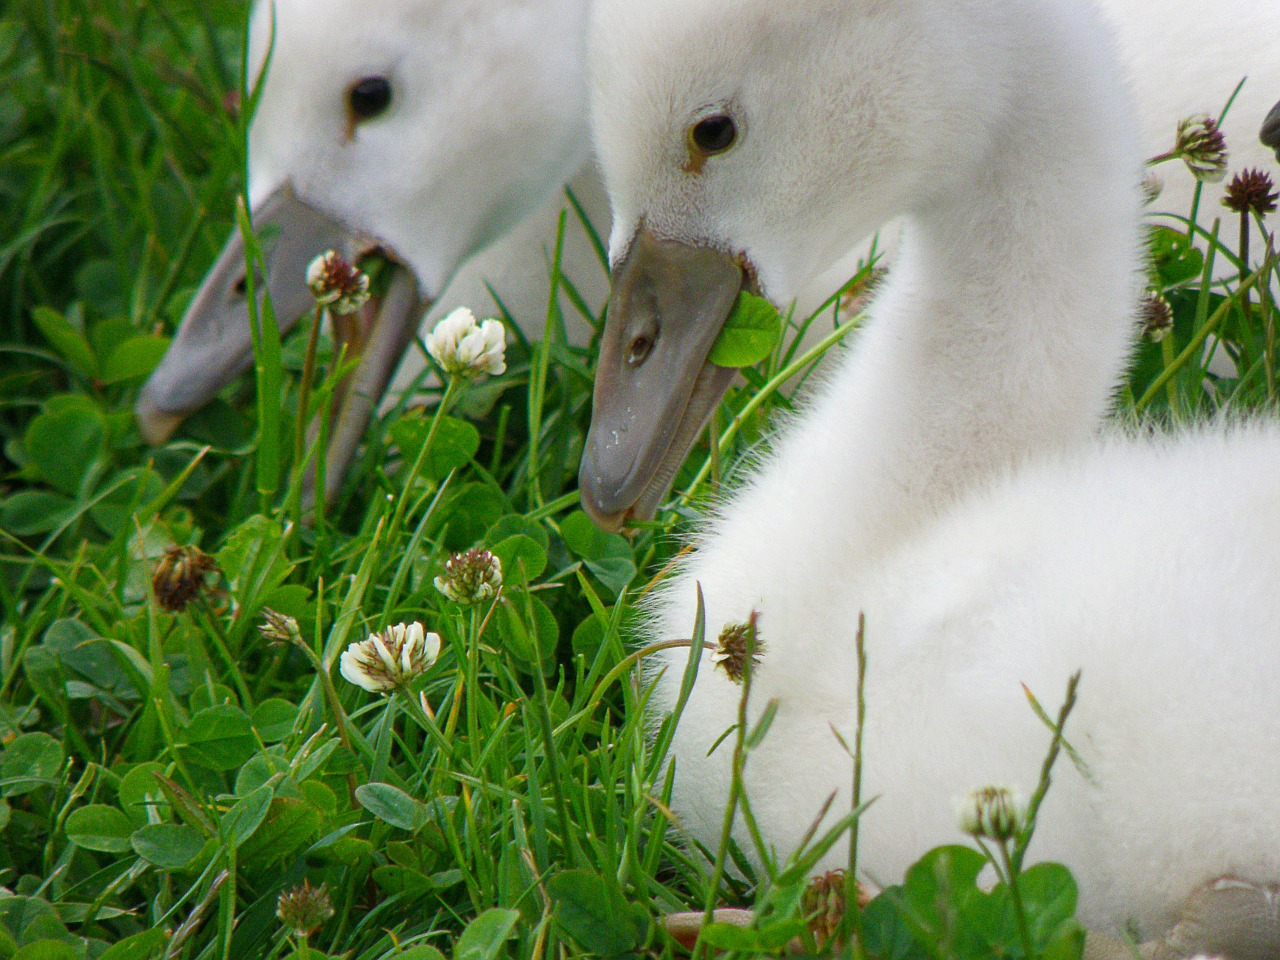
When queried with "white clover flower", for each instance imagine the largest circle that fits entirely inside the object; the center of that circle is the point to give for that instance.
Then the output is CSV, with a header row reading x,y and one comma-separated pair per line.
x,y
466,348
390,659
338,283
471,577
993,813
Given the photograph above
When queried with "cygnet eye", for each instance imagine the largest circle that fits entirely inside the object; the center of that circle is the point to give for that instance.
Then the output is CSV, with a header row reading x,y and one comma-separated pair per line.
x,y
714,134
370,97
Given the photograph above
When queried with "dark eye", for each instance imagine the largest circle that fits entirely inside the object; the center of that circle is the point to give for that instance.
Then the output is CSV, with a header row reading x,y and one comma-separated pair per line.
x,y
714,134
370,97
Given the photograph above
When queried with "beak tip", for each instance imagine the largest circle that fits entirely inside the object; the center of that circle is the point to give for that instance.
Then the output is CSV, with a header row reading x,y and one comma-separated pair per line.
x,y
156,425
605,511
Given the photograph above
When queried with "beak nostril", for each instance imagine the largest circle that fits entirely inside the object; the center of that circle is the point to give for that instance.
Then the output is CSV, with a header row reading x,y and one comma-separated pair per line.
x,y
640,348
241,286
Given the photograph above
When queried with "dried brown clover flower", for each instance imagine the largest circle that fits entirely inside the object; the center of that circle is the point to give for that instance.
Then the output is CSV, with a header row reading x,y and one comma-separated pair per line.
x,y
1251,191
180,576
336,282
1156,316
739,644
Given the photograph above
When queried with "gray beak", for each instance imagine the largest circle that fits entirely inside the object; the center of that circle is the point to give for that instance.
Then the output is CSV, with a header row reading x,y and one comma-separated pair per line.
x,y
214,343
1270,135
655,389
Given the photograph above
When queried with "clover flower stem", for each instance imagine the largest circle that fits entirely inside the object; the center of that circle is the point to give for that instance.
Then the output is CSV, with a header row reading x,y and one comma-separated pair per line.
x,y
413,707
735,787
335,707
397,518
446,741
1195,210
1033,807
304,388
1268,310
1167,358
385,738
213,630
554,774
851,923
1015,895
1193,347
473,684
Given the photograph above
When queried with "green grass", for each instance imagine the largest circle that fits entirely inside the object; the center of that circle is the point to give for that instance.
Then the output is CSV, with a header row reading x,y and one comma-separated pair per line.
x,y
165,776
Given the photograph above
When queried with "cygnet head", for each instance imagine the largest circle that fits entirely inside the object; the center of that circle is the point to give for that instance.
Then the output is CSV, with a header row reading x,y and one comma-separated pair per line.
x,y
748,143
425,128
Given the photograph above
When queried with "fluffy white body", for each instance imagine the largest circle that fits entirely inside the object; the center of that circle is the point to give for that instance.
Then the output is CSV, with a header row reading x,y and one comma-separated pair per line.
x,y
947,480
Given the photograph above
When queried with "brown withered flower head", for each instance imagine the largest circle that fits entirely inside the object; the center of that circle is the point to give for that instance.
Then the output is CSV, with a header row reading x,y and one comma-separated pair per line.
x,y
338,283
304,909
1156,316
737,643
823,905
181,576
1251,191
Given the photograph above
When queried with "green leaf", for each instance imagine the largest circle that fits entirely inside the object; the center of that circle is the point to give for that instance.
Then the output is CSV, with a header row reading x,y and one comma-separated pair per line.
x,y
134,359
69,342
484,936
246,815
253,553
421,952
529,642
32,512
522,558
290,825
1067,942
64,446
513,524
130,491
395,879
49,950
594,912
99,827
141,946
170,846
32,919
140,792
274,719
29,763
607,555
749,335
470,513
1049,895
392,805
220,737
453,446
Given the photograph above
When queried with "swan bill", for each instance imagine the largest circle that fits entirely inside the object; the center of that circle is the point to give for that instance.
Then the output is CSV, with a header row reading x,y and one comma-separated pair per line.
x,y
655,388
214,342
